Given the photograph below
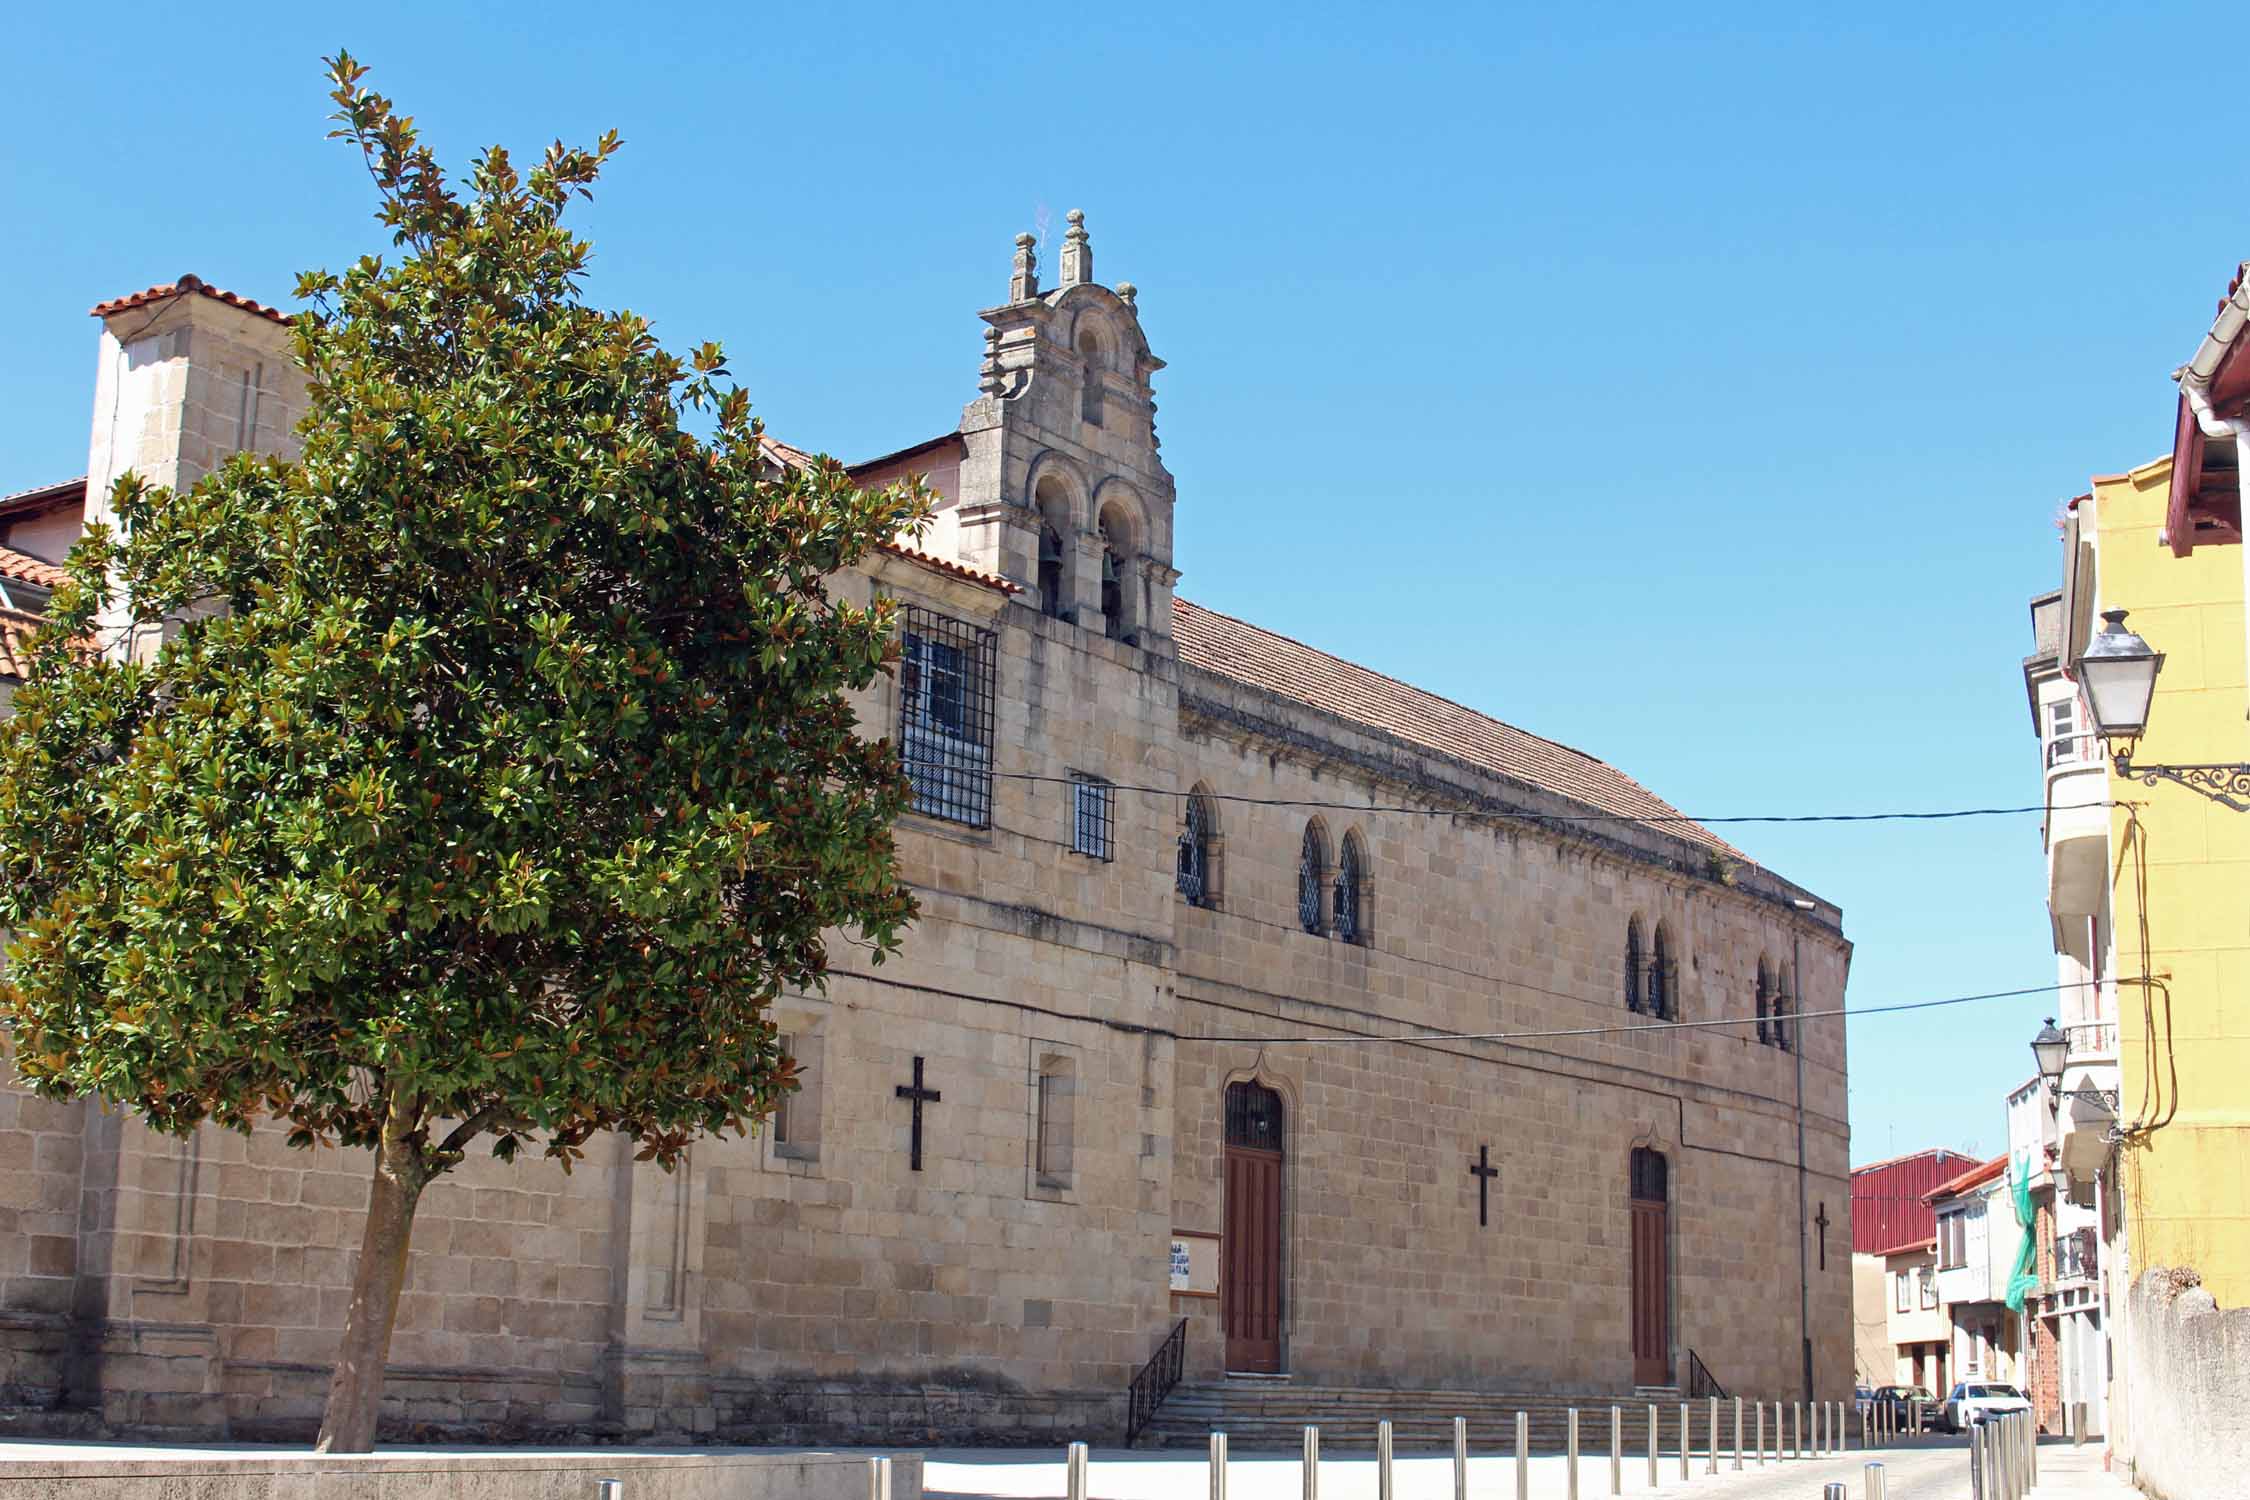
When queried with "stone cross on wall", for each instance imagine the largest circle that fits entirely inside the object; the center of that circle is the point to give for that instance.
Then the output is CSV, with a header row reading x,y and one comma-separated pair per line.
x,y
1483,1171
920,1096
1821,1219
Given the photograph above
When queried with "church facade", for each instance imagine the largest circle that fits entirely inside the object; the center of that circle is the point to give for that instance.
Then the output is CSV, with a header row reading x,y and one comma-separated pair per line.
x,y
1196,1031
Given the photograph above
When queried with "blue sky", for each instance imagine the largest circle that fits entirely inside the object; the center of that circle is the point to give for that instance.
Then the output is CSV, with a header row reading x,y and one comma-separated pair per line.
x,y
1695,389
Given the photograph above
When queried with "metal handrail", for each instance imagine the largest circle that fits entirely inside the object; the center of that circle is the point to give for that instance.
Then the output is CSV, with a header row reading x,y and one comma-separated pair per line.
x,y
1155,1381
1701,1383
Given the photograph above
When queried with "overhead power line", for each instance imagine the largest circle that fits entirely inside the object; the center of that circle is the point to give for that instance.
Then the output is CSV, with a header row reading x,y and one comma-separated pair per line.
x,y
1788,1019
1527,815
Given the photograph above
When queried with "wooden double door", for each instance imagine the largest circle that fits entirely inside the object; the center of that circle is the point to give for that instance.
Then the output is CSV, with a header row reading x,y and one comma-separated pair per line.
x,y
1250,1264
1650,1206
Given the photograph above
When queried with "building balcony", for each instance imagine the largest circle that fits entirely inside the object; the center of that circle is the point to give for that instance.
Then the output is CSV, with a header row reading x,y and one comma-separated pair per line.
x,y
2086,1113
2076,1258
2077,834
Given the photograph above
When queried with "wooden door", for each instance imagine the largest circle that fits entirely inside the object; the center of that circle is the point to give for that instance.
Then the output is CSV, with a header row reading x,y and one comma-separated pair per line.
x,y
1250,1258
1651,1271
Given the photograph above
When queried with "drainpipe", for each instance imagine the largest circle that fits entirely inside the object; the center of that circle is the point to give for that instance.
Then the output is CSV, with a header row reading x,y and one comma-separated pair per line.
x,y
1797,1051
2214,425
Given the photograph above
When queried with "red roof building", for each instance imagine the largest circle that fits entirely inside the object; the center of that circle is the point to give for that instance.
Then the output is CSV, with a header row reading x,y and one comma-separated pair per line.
x,y
1890,1199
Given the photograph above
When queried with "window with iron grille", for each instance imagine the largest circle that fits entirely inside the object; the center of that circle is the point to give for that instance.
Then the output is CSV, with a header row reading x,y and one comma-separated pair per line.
x,y
945,704
1253,1116
1093,802
1348,926
1765,1003
1633,965
1662,1003
1195,851
1312,879
1650,1176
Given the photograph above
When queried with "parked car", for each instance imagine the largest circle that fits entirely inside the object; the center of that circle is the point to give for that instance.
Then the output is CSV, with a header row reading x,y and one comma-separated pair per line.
x,y
1973,1402
1863,1394
1897,1403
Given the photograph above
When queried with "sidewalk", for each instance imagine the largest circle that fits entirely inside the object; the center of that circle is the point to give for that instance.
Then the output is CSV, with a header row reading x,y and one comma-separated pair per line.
x,y
2069,1472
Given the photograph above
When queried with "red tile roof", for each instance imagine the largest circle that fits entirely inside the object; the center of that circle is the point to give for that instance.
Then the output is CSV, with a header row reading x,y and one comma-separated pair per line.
x,y
44,497
1244,653
797,458
187,283
25,568
1976,1176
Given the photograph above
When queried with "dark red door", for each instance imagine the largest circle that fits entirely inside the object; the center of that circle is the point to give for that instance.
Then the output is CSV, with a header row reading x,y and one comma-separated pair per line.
x,y
1651,1240
1250,1260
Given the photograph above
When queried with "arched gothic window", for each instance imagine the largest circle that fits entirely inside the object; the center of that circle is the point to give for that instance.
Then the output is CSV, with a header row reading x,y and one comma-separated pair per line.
x,y
1198,829
1633,965
1651,1176
1784,1004
1765,1003
1661,1000
1312,878
1348,925
1050,572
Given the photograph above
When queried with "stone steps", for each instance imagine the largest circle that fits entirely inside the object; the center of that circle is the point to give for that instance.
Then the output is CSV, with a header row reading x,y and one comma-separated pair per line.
x,y
1272,1416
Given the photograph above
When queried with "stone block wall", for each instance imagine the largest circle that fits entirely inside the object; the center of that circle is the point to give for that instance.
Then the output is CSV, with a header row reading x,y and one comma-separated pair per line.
x,y
2187,1380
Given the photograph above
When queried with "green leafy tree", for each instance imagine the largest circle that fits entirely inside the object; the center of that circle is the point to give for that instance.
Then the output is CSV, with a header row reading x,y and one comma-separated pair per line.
x,y
502,770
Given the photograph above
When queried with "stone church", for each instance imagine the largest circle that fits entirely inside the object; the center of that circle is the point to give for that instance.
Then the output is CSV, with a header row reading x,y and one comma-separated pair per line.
x,y
1194,1037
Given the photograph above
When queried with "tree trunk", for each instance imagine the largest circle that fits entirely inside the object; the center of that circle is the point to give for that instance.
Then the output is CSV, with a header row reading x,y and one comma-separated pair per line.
x,y
355,1392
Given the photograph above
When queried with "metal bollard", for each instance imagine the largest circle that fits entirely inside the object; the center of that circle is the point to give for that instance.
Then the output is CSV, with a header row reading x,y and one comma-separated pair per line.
x,y
1523,1457
1460,1459
1683,1439
878,1480
1976,1464
1877,1489
1711,1436
1833,1490
1570,1447
1312,1463
2031,1443
1738,1433
1218,1466
1077,1459
1383,1460
1652,1447
2077,1424
614,1489
1616,1450
1760,1446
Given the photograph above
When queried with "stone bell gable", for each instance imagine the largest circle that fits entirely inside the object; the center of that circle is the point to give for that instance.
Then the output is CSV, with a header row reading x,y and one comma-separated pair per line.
x,y
1061,488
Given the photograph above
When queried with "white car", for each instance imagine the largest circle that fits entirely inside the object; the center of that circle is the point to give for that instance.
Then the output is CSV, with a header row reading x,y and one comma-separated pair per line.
x,y
1974,1401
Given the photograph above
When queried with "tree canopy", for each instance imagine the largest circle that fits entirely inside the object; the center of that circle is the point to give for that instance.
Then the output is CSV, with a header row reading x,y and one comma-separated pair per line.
x,y
497,770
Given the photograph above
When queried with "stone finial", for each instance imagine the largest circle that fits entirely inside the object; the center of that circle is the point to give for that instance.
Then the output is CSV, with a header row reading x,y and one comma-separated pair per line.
x,y
1077,251
988,374
1126,292
1023,282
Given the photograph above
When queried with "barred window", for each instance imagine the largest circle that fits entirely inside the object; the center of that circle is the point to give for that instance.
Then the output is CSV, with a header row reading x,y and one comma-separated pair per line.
x,y
1765,1002
1633,965
1093,802
1782,1002
945,703
1198,828
1661,1000
1348,925
1312,879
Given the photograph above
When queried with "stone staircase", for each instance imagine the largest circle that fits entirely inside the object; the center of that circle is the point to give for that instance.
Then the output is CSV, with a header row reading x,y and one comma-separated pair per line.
x,y
1271,1415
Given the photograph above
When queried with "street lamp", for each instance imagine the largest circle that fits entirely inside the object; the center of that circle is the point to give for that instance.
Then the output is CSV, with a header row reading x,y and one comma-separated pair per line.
x,y
2050,1047
2118,671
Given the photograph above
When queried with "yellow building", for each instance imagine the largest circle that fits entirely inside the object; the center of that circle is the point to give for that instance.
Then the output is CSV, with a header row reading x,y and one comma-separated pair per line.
x,y
2170,945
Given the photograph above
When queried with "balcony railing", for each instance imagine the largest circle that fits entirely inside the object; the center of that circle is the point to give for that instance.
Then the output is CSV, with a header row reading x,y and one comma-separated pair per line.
x,y
2076,1256
2093,1038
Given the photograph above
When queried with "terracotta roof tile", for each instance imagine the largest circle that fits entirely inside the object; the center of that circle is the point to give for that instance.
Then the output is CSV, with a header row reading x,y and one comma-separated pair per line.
x,y
187,283
1244,653
1976,1176
25,568
781,453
